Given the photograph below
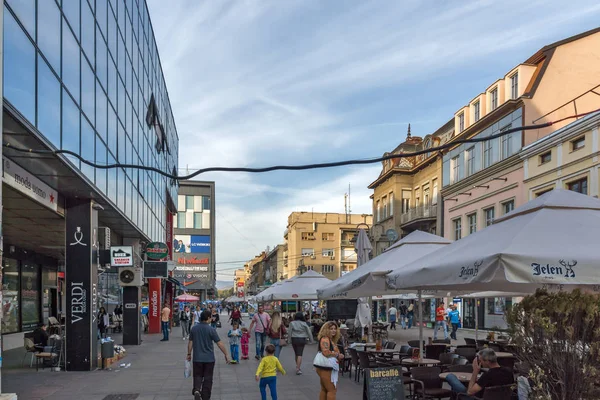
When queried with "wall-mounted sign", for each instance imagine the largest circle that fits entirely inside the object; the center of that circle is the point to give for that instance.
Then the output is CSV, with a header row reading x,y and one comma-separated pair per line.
x,y
23,181
121,256
191,244
192,260
130,305
156,269
157,250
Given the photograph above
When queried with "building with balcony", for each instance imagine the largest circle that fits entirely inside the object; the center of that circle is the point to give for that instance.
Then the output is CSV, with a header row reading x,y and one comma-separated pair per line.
x,y
322,242
274,265
407,191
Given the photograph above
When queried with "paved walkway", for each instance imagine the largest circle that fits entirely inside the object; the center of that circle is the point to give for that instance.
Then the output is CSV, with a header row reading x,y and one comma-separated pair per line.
x,y
156,372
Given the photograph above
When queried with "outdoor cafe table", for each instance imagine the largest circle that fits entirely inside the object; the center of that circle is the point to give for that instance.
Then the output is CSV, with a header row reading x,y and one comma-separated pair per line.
x,y
365,345
416,362
462,376
384,351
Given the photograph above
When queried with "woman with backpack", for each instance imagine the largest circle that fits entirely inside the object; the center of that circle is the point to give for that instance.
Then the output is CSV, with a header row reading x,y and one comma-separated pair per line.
x,y
276,332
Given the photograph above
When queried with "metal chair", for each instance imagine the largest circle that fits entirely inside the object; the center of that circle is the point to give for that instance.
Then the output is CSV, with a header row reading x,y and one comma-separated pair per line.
x,y
428,384
366,361
504,392
433,351
467,352
415,343
460,361
470,342
445,341
354,362
29,349
446,360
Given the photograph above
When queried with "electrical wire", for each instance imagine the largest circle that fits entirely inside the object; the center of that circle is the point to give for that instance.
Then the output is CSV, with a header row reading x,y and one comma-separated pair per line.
x,y
296,167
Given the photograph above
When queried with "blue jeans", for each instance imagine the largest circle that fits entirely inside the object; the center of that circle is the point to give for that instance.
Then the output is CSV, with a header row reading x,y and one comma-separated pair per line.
x,y
410,320
272,383
234,349
445,327
403,321
165,330
275,342
260,343
457,386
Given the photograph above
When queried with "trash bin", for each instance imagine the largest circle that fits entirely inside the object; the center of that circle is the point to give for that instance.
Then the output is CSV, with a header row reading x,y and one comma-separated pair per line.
x,y
107,349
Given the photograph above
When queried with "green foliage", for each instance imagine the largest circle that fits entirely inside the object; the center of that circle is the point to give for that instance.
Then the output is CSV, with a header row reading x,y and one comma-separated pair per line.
x,y
557,335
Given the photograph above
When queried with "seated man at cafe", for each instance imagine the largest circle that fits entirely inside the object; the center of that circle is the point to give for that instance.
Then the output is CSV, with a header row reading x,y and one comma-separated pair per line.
x,y
40,337
495,376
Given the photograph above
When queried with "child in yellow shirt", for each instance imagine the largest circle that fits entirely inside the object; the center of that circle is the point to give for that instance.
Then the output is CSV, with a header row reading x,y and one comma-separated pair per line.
x,y
266,373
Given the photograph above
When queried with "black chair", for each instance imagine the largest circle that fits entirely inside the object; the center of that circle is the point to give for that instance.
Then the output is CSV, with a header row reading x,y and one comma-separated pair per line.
x,y
470,342
505,392
433,351
482,344
415,343
354,362
390,345
445,341
365,361
428,384
460,361
446,359
461,368
467,352
507,362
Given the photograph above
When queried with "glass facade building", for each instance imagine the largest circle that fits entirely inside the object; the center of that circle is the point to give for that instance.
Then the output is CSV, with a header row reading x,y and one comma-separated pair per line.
x,y
87,76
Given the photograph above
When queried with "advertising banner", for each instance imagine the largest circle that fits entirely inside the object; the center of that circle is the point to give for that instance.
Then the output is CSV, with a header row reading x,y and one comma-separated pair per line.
x,y
194,272
154,307
191,244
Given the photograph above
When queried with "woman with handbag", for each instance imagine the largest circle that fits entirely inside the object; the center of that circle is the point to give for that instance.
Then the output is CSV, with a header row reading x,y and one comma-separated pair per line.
x,y
327,360
276,333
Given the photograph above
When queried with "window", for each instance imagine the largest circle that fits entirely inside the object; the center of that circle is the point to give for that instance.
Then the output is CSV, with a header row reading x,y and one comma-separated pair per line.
x,y
70,125
454,170
506,142
11,285
310,267
405,205
30,297
308,236
378,211
206,203
391,204
514,86
435,192
385,207
48,110
578,143
508,206
25,11
197,220
457,229
328,237
477,111
49,30
461,122
543,191
181,220
189,202
490,214
327,269
494,99
546,157
470,161
308,252
71,56
487,153
579,186
472,223
328,252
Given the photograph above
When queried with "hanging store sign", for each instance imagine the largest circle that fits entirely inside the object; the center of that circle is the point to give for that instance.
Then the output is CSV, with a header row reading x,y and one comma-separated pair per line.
x,y
121,256
23,181
157,250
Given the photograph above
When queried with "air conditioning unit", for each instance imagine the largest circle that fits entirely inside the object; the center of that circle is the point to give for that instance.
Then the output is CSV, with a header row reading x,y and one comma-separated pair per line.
x,y
313,257
130,276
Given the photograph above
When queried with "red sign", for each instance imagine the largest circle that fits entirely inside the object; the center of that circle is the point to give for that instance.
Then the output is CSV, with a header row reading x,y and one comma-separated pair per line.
x,y
154,295
169,232
193,260
240,284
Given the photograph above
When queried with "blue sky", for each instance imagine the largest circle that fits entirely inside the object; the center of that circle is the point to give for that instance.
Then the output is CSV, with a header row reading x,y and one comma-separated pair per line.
x,y
257,83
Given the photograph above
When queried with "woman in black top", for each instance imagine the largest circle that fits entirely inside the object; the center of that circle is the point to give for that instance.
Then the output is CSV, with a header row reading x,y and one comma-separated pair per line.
x,y
214,318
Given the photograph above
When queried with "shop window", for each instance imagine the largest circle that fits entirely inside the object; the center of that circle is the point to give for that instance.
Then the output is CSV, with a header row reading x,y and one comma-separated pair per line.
x,y
11,285
30,297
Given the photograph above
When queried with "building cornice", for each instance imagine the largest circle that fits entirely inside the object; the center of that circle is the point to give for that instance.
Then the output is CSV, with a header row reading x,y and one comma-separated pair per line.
x,y
562,167
400,171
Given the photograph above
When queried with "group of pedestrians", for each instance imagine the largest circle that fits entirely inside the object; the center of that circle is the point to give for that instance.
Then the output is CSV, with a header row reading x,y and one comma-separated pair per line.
x,y
443,316
406,314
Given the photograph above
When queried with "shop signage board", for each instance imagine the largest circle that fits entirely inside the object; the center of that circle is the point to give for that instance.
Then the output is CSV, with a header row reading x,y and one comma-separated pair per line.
x,y
121,256
154,299
156,269
383,383
23,181
157,250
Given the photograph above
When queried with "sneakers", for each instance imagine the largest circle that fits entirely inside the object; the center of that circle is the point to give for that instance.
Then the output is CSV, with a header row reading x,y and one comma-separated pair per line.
x,y
299,372
197,395
257,357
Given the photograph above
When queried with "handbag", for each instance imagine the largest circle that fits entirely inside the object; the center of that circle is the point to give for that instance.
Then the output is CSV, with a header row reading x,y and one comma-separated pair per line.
x,y
282,340
218,324
321,361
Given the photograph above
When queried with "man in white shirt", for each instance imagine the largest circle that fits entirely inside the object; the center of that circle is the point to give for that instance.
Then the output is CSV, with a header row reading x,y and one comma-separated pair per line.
x,y
393,312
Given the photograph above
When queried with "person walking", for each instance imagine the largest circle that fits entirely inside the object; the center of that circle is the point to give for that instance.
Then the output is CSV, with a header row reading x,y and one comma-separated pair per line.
x,y
329,336
403,311
455,321
440,321
235,335
197,312
410,314
266,373
214,318
201,352
300,333
393,312
164,318
185,317
276,332
236,316
260,321
245,342
103,322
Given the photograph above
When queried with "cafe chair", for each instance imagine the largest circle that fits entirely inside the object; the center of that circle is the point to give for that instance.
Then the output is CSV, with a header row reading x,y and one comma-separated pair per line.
x,y
365,361
427,383
505,392
467,352
415,343
354,362
470,342
460,361
434,351
29,349
446,360
445,341
460,368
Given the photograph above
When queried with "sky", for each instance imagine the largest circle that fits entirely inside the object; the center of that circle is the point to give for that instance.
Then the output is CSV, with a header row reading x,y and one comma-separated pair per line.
x,y
255,83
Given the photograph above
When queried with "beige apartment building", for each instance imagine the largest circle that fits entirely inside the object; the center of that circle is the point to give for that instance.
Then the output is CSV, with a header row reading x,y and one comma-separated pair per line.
x,y
322,242
273,266
406,193
254,272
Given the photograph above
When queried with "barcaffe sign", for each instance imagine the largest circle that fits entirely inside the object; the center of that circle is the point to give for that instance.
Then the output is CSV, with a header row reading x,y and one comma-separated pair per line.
x,y
157,250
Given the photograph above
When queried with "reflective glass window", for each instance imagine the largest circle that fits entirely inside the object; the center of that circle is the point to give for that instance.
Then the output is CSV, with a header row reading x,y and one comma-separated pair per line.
x,y
88,85
121,101
121,60
11,285
121,143
49,32
112,131
88,140
121,189
71,10
101,59
25,11
88,28
71,55
48,108
112,82
101,16
112,34
112,181
70,125
121,13
101,110
100,160
19,68
30,296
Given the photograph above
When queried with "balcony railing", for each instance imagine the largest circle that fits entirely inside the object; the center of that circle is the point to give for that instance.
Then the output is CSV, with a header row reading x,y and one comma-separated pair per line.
x,y
424,211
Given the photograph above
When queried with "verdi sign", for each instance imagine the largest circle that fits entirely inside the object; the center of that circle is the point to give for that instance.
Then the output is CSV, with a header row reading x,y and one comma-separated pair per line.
x,y
157,250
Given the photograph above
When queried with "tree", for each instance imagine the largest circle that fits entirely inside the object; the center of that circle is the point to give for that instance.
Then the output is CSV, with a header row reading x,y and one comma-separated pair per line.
x,y
557,336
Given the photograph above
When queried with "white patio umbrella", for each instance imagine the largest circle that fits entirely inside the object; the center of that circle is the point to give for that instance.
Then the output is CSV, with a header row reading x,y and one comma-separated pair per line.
x,y
264,295
303,287
369,279
548,242
363,250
